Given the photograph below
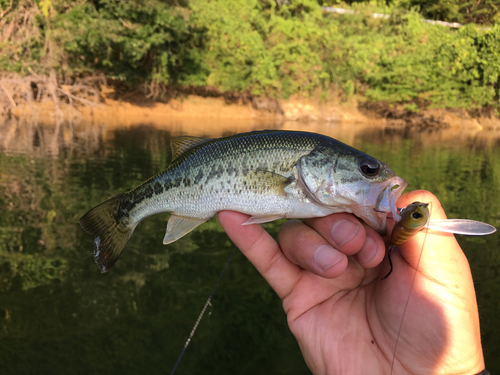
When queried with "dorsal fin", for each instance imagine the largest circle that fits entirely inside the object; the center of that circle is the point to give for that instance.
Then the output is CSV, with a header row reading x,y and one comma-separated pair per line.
x,y
181,144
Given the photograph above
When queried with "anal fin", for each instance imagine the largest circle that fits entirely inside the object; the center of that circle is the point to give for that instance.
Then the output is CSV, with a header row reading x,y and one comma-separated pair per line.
x,y
179,226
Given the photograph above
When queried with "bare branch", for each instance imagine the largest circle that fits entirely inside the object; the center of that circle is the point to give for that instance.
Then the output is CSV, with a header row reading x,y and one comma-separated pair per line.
x,y
84,101
4,12
126,24
11,99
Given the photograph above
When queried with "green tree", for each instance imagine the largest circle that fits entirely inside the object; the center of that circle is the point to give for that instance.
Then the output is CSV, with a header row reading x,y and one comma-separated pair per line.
x,y
463,11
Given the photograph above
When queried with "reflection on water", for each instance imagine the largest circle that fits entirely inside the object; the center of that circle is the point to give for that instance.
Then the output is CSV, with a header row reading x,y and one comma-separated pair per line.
x,y
59,314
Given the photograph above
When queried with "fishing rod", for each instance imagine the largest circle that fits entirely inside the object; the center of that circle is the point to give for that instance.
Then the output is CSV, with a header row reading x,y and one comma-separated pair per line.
x,y
203,311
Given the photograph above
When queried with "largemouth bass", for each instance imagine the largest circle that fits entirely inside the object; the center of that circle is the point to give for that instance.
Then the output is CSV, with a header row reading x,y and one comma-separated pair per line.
x,y
266,174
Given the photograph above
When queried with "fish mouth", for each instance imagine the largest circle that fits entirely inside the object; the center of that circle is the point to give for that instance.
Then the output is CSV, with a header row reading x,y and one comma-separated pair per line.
x,y
386,195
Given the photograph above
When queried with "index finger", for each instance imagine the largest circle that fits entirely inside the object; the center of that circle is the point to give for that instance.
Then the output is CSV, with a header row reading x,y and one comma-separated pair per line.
x,y
262,251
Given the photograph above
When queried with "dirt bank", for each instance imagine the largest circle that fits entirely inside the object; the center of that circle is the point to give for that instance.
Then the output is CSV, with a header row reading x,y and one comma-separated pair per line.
x,y
124,113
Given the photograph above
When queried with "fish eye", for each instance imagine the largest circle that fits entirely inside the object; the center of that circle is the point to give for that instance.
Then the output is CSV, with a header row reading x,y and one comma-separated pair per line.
x,y
370,167
416,215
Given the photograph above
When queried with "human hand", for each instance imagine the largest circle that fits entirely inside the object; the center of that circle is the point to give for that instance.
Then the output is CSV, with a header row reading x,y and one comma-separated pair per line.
x,y
346,320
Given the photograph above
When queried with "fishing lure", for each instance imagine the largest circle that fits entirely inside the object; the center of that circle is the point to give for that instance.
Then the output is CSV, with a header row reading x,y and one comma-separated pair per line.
x,y
415,217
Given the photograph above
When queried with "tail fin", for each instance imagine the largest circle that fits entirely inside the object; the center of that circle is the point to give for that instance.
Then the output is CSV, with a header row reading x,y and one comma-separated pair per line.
x,y
111,234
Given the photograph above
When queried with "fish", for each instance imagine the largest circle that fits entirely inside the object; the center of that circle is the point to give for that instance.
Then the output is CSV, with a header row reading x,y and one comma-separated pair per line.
x,y
266,174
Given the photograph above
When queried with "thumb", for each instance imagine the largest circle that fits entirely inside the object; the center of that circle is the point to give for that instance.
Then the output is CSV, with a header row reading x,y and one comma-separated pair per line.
x,y
444,276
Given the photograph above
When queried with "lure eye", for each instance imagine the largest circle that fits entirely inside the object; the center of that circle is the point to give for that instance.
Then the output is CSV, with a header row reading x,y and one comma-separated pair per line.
x,y
416,215
370,167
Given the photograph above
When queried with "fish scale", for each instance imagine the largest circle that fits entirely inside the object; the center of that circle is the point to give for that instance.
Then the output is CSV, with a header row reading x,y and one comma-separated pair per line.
x,y
267,174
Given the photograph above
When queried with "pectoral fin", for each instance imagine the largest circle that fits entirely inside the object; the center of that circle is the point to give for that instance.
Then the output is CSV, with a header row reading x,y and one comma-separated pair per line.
x,y
269,182
261,219
179,226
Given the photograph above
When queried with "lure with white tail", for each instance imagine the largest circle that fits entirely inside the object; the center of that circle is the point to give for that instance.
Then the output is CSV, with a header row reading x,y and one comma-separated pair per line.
x,y
462,226
414,218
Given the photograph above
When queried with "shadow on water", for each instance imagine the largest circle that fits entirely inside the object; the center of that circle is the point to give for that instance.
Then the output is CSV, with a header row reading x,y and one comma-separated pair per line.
x,y
59,314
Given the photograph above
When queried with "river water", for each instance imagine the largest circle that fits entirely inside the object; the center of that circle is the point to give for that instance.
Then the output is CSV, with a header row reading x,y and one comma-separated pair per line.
x,y
60,315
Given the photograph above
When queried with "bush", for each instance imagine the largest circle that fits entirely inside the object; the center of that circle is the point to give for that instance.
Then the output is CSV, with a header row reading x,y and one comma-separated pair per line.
x,y
263,47
133,41
254,45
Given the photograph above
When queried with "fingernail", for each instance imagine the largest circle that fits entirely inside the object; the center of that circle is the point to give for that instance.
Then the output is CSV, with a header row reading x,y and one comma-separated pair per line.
x,y
368,251
343,231
326,256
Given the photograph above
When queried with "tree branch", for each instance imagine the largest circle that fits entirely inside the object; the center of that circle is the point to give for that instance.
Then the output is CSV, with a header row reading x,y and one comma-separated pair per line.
x,y
84,101
11,99
4,12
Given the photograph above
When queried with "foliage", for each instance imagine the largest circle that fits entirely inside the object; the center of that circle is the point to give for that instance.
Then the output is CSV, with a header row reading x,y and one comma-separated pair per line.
x,y
433,66
133,41
463,11
130,40
264,47
414,64
255,46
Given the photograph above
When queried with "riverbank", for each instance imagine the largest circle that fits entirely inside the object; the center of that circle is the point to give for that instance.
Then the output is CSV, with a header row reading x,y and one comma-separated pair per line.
x,y
137,109
397,66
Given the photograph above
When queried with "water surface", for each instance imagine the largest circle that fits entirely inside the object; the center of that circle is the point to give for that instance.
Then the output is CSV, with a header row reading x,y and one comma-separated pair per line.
x,y
60,315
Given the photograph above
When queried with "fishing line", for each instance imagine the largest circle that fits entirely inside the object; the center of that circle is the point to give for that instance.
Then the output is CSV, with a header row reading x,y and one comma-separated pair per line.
x,y
409,294
203,311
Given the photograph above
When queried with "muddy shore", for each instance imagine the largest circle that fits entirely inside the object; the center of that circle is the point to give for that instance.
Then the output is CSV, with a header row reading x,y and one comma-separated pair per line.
x,y
116,112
